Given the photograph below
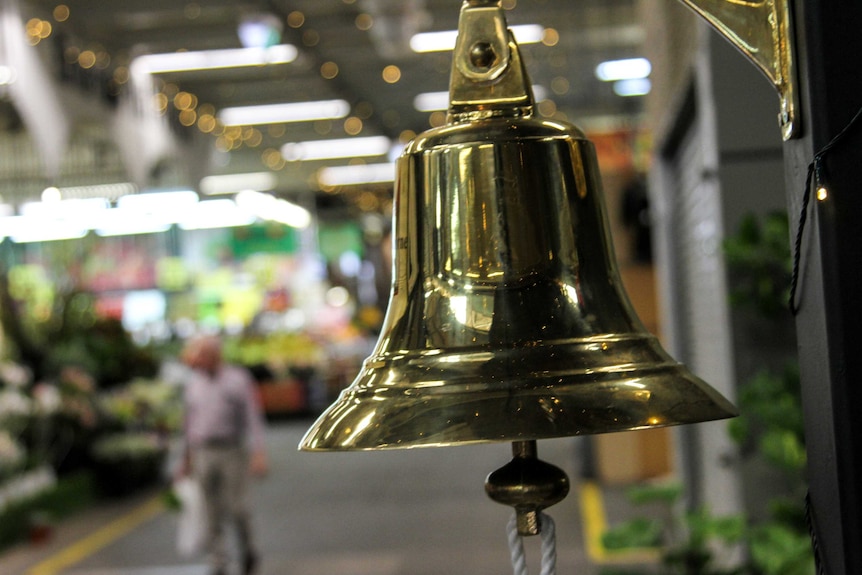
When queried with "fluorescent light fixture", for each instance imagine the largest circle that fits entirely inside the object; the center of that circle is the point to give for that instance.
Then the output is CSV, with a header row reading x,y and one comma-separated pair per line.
x,y
127,222
354,175
26,229
334,149
282,113
213,59
7,75
109,191
223,213
633,87
436,101
51,194
233,183
166,205
146,213
259,30
445,40
395,150
268,207
142,309
431,101
6,210
627,69
60,210
53,220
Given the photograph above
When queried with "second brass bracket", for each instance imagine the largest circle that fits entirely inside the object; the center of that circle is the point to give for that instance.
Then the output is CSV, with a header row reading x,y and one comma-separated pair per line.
x,y
762,30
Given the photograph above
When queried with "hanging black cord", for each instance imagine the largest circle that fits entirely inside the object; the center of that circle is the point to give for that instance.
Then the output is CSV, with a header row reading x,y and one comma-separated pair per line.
x,y
797,248
812,531
815,172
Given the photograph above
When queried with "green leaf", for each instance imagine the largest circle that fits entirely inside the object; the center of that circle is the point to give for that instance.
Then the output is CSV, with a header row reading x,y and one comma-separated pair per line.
x,y
739,429
730,528
777,550
654,492
784,449
636,533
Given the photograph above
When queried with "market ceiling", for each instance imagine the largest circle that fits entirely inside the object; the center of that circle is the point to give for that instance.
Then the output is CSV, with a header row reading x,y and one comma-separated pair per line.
x,y
358,51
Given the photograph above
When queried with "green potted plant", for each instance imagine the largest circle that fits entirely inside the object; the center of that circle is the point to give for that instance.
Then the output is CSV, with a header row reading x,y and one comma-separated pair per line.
x,y
769,431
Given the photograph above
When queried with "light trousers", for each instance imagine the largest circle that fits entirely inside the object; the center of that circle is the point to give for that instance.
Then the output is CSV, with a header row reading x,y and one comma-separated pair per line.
x,y
223,476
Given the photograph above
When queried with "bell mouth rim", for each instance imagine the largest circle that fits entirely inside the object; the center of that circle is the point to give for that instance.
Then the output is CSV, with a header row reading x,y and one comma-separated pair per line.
x,y
401,417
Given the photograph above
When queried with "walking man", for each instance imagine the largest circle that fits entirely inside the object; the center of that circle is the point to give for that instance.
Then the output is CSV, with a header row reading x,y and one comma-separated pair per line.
x,y
224,444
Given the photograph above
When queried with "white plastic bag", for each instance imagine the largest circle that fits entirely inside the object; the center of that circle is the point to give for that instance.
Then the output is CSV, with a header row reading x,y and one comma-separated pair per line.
x,y
192,520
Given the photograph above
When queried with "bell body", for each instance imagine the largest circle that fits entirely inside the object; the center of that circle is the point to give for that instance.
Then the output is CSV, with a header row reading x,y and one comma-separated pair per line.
x,y
507,319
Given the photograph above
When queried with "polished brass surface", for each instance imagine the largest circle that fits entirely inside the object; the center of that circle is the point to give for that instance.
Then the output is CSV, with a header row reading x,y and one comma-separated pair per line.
x,y
507,319
762,30
529,485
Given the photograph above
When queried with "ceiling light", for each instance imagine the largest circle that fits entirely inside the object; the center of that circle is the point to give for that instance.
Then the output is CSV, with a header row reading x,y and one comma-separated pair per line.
x,y
128,222
213,59
26,229
223,213
7,75
628,69
233,183
268,207
259,30
282,113
53,220
51,194
445,40
333,149
58,210
436,101
108,191
634,87
145,213
353,175
167,205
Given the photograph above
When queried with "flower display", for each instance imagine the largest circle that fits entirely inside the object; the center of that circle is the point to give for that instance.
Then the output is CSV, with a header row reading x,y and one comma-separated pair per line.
x,y
126,446
14,375
144,405
15,408
77,391
47,399
12,455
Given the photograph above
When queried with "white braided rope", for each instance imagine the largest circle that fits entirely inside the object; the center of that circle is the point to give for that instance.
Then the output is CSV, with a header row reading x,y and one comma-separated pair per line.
x,y
549,546
516,547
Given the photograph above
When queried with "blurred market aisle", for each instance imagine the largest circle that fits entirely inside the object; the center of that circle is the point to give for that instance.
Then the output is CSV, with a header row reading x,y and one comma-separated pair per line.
x,y
373,513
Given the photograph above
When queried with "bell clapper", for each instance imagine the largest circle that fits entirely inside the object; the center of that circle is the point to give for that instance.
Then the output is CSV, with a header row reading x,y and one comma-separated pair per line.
x,y
529,485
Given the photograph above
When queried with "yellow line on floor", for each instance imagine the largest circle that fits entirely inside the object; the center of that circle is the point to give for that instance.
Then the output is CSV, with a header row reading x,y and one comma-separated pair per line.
x,y
595,524
80,550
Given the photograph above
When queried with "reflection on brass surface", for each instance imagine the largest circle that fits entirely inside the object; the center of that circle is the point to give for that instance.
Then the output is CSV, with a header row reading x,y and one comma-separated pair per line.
x,y
761,29
507,319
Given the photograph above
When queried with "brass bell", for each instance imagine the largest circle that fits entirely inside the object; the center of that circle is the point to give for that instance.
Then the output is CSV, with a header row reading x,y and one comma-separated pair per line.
x,y
507,319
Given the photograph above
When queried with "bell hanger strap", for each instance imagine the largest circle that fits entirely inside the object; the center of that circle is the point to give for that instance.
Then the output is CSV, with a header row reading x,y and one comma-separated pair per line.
x,y
488,75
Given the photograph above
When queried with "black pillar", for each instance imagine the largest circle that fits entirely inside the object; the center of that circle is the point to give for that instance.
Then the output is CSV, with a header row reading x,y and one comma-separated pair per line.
x,y
829,321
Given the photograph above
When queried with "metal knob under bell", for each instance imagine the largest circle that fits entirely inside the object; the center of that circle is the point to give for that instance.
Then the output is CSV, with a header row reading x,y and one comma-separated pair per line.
x,y
507,319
